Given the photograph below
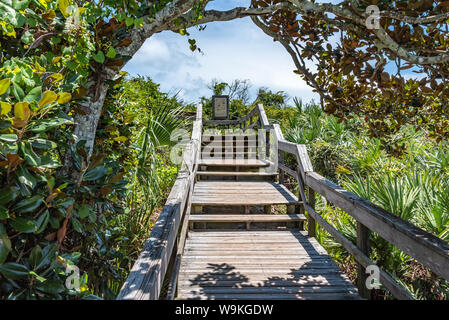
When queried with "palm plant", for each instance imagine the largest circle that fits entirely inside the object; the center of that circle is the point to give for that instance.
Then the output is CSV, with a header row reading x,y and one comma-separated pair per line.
x,y
144,188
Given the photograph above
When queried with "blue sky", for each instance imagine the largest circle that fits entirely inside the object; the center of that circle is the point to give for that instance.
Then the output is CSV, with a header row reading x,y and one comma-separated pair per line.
x,y
231,50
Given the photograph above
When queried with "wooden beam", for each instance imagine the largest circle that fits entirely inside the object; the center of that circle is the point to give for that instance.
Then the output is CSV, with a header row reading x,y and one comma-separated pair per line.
x,y
363,244
311,223
147,275
396,289
428,249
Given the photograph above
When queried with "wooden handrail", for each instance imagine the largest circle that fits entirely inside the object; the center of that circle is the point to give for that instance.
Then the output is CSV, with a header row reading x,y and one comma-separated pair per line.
x,y
146,277
426,248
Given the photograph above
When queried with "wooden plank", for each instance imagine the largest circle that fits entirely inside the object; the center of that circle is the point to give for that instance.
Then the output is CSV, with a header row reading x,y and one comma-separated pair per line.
x,y
244,218
289,171
241,193
235,162
311,224
231,174
363,244
212,266
146,276
396,289
263,117
428,249
328,296
260,281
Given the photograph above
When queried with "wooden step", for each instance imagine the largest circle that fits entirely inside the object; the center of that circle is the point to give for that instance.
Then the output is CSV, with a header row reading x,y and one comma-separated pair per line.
x,y
250,269
229,137
247,218
234,163
236,174
242,193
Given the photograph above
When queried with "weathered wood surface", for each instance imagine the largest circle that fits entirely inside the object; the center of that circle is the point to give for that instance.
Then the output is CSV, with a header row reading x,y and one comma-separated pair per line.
x,y
247,218
234,162
300,269
145,279
419,244
237,173
396,289
241,193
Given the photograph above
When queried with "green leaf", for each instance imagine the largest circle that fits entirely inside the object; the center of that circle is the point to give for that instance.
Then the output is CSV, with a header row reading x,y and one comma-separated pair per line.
x,y
42,222
48,255
43,144
5,248
77,225
95,173
18,92
25,225
34,95
38,277
99,57
48,162
4,85
26,177
30,156
129,21
27,38
111,53
44,125
8,137
3,213
28,205
2,230
13,270
35,256
51,287
5,124
83,212
8,194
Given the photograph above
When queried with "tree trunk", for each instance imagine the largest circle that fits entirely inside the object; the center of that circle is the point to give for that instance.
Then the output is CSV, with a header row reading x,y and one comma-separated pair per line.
x,y
86,125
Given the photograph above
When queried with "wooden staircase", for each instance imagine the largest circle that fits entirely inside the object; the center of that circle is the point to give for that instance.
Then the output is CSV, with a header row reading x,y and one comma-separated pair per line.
x,y
238,249
231,229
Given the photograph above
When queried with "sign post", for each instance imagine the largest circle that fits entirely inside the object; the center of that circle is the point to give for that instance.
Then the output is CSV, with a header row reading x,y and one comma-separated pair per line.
x,y
220,107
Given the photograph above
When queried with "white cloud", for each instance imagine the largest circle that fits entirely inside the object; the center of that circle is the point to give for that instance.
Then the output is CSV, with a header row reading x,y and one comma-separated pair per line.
x,y
232,50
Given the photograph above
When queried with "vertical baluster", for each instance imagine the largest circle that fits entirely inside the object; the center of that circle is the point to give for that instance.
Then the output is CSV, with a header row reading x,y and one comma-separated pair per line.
x,y
311,223
364,246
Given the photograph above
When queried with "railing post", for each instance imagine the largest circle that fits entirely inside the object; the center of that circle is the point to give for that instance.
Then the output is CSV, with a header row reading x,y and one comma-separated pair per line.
x,y
281,161
311,223
364,246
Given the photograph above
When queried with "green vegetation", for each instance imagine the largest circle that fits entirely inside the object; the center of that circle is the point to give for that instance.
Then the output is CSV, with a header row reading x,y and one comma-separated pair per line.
x,y
84,164
98,223
413,186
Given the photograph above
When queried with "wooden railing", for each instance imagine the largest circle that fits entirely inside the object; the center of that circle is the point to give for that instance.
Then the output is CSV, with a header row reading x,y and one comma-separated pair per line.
x,y
162,250
426,248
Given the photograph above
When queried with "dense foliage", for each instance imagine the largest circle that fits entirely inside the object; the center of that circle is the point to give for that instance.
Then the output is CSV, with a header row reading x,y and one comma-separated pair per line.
x,y
413,187
383,60
49,223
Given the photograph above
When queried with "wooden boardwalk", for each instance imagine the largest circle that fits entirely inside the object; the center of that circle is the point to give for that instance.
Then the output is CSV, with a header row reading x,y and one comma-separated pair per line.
x,y
233,229
267,265
237,249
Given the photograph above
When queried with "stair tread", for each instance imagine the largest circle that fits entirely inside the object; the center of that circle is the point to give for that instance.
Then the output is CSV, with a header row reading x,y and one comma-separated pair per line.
x,y
246,217
240,173
234,162
241,193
